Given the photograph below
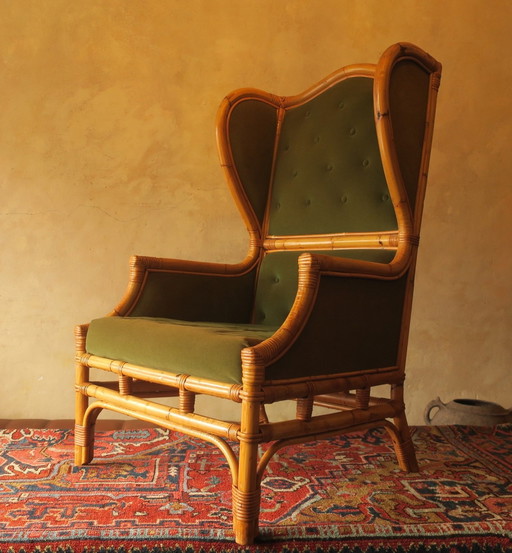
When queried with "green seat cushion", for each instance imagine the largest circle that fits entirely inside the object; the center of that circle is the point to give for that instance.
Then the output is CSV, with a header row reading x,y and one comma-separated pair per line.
x,y
205,350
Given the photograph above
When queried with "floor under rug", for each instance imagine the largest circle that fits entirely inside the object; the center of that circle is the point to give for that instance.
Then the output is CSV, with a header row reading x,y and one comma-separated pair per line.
x,y
149,489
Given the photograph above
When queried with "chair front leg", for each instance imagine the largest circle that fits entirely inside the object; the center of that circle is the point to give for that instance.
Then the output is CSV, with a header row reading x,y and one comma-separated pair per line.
x,y
84,435
246,491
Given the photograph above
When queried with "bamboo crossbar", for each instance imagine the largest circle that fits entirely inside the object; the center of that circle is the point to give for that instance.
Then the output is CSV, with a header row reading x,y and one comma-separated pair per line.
x,y
273,391
329,422
176,427
279,444
141,388
324,385
344,400
216,427
383,240
163,378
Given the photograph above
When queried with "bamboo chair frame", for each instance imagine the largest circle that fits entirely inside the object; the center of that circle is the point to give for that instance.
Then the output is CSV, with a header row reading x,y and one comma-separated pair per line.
x,y
348,395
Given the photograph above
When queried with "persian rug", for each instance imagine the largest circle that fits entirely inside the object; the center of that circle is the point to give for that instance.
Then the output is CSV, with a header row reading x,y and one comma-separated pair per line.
x,y
154,491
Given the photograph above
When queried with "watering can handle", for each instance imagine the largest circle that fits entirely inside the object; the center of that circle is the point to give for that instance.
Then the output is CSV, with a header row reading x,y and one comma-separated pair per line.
x,y
435,403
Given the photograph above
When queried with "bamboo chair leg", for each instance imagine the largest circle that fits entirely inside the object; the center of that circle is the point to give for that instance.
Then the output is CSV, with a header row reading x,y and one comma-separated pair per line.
x,y
84,438
246,490
404,448
82,447
401,436
84,444
246,496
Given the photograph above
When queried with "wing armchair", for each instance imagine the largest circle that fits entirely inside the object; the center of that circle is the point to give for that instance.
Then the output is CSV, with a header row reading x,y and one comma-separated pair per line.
x,y
330,184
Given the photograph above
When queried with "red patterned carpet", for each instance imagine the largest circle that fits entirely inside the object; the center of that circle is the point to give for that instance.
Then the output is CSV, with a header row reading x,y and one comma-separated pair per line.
x,y
149,490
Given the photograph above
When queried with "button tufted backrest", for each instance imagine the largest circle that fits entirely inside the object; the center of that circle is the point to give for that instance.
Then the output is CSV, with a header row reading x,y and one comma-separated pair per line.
x,y
328,174
340,168
328,179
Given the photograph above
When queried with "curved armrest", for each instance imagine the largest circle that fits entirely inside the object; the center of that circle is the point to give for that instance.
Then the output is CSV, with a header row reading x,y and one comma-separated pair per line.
x,y
347,316
349,267
188,290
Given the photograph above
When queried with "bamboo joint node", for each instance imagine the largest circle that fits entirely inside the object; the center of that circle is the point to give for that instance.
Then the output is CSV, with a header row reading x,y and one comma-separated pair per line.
x,y
246,504
83,436
182,380
252,396
249,438
234,393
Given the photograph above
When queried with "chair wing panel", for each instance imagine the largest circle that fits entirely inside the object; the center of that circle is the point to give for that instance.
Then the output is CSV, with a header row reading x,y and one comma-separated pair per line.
x,y
407,81
409,90
246,135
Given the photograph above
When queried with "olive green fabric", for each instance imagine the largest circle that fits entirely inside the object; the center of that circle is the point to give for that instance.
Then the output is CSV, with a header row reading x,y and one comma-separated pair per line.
x,y
212,349
252,135
205,350
328,175
409,90
355,326
278,280
328,178
197,297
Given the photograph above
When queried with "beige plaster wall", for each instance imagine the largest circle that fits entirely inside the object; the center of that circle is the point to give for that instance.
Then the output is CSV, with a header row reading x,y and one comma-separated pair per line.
x,y
107,148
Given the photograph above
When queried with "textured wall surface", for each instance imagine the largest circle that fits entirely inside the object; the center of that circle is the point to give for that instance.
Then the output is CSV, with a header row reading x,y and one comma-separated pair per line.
x,y
107,148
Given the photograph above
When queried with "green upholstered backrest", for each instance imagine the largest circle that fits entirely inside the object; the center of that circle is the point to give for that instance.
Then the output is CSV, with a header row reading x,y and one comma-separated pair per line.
x,y
328,179
328,174
314,167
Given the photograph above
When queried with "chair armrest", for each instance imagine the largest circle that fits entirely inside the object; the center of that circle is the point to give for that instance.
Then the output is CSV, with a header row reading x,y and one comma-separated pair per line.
x,y
189,290
350,310
349,267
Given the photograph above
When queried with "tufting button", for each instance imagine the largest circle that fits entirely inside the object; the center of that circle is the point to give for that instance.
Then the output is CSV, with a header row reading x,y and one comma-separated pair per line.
x,y
341,105
276,279
365,163
343,199
278,205
352,131
307,202
329,167
295,173
308,113
316,139
385,197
